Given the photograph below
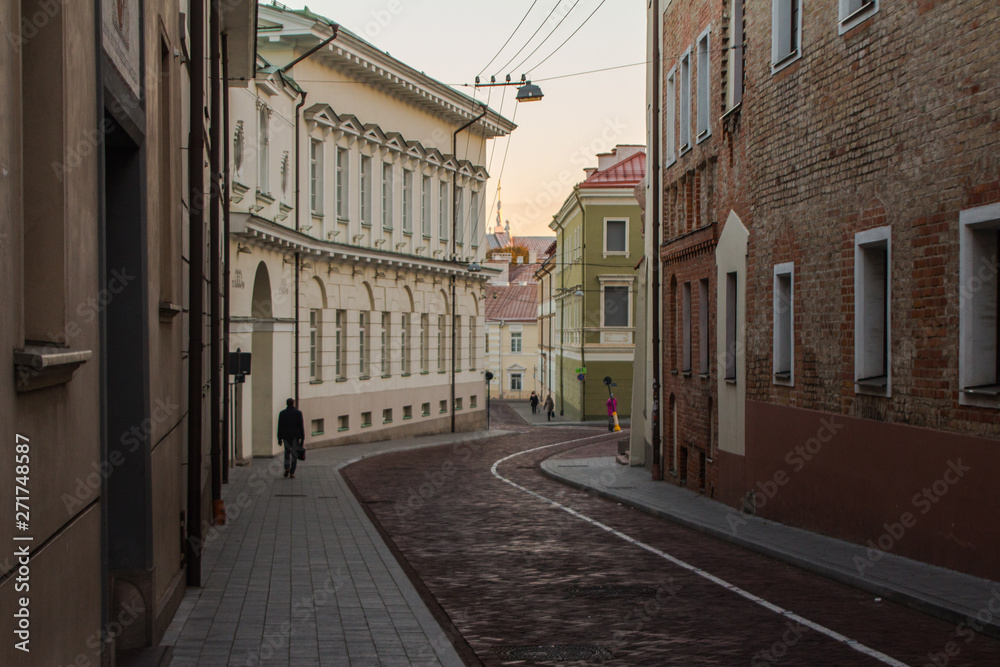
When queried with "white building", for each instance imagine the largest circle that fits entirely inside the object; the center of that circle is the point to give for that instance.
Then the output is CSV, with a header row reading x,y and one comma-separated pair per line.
x,y
354,222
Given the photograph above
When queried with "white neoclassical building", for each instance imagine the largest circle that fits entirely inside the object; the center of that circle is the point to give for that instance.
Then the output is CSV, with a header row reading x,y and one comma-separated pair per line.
x,y
357,207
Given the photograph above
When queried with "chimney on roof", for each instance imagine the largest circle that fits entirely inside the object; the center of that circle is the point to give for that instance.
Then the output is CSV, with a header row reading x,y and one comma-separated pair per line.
x,y
626,151
590,171
605,160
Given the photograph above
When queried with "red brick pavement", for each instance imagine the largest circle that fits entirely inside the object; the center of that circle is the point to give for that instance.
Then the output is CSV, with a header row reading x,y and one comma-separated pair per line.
x,y
502,565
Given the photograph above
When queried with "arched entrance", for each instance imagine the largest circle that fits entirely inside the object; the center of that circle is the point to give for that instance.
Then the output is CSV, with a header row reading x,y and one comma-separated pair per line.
x,y
262,377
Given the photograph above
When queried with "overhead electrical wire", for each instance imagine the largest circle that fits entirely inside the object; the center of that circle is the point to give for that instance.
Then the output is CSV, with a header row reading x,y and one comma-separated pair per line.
x,y
509,38
566,40
551,32
537,30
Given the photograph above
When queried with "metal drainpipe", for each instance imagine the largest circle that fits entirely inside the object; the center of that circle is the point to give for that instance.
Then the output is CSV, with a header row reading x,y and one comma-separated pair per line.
x,y
215,260
454,229
583,302
196,203
226,432
654,215
562,313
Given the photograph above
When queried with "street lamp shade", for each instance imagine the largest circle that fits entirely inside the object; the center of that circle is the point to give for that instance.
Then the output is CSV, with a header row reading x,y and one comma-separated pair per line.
x,y
529,92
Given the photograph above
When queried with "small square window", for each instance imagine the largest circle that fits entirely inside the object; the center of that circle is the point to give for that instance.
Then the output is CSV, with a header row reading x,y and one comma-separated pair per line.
x,y
407,412
387,416
473,401
317,426
366,419
444,406
343,423
425,409
458,404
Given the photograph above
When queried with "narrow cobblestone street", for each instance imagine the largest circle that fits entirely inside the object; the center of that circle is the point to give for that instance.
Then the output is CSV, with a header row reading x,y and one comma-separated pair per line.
x,y
522,580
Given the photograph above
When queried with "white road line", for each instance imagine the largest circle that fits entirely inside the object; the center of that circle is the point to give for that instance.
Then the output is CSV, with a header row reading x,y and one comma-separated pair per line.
x,y
857,646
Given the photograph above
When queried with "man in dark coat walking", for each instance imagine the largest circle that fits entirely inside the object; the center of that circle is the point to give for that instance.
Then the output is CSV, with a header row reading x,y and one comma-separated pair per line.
x,y
291,434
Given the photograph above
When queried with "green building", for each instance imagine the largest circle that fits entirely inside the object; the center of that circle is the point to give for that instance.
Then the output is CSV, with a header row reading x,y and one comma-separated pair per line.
x,y
587,289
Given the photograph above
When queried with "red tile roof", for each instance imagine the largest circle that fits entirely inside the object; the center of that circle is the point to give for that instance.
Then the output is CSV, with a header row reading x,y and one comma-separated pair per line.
x,y
626,173
511,302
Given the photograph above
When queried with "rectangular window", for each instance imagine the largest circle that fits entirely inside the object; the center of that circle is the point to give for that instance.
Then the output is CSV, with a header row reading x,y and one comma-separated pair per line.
x,y
704,87
407,412
443,406
386,196
616,304
979,306
457,323
458,404
441,333
263,151
473,401
343,182
442,211
366,419
425,338
315,362
363,344
386,331
703,366
459,215
316,176
425,409
425,207
515,341
472,342
735,54
387,416
339,342
515,382
786,23
686,326
615,237
670,117
474,220
407,201
731,340
404,343
853,12
783,353
365,202
685,114
318,426
343,423
872,281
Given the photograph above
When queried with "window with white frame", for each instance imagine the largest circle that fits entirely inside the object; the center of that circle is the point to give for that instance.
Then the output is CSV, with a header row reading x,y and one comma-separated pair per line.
x,y
425,207
316,176
343,182
731,340
685,111
425,345
459,215
686,327
783,353
474,219
704,87
386,334
615,237
365,183
670,117
339,343
315,352
515,341
264,151
407,201
786,30
363,344
515,381
387,195
441,334
404,343
872,312
736,57
703,367
854,12
442,211
616,305
979,306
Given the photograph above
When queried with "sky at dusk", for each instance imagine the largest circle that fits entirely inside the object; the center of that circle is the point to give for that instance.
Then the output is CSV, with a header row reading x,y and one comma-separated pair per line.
x,y
453,40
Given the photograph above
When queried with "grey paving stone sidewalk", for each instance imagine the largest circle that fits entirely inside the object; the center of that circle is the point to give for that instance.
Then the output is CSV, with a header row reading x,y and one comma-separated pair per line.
x,y
950,595
300,576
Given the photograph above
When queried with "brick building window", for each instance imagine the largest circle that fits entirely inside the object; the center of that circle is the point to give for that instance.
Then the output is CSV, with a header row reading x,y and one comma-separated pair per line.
x,y
703,367
786,31
670,117
686,327
979,309
734,72
872,321
685,112
704,86
853,12
783,354
731,339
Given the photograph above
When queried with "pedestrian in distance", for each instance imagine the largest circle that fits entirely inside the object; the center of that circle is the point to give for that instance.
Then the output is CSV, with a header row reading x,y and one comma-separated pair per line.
x,y
612,409
550,407
533,399
291,435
